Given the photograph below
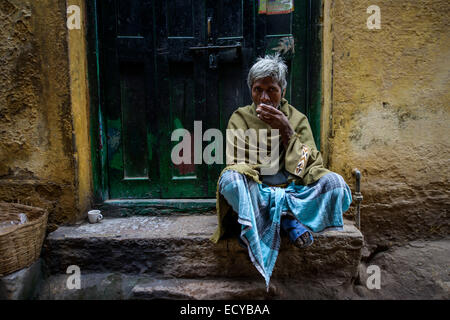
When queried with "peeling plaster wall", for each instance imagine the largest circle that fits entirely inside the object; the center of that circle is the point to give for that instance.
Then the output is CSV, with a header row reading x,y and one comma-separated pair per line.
x,y
390,108
36,149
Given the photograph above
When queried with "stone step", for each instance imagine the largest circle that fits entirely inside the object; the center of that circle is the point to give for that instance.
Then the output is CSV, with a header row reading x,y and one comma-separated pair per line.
x,y
203,289
125,286
179,247
242,289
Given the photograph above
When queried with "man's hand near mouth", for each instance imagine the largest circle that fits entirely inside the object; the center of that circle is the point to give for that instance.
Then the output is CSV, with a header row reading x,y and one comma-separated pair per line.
x,y
277,120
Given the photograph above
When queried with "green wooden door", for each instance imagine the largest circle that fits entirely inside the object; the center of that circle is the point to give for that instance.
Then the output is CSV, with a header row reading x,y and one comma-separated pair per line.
x,y
165,65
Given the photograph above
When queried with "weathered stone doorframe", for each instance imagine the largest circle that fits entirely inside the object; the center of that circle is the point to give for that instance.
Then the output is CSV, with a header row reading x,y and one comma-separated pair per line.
x,y
89,137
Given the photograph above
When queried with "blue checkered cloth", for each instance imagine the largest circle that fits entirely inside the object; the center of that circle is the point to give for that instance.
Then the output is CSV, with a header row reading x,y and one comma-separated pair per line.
x,y
318,206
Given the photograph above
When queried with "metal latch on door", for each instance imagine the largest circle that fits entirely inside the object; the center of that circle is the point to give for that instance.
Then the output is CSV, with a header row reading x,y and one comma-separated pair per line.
x,y
213,50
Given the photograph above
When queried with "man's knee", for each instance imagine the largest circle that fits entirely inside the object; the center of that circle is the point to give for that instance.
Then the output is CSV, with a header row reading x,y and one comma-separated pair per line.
x,y
333,180
230,180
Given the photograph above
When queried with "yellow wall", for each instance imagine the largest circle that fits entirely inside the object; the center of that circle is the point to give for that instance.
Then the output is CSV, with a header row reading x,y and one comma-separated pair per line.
x,y
36,150
80,110
390,105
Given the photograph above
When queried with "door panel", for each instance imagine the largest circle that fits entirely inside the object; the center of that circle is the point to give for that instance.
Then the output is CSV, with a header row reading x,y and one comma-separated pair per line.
x,y
229,18
134,126
180,81
165,64
126,73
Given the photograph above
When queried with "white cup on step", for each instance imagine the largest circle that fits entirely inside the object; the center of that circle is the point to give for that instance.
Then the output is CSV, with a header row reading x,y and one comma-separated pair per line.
x,y
94,216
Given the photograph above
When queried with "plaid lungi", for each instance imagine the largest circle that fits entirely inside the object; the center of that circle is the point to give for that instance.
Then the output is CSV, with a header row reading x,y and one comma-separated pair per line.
x,y
318,206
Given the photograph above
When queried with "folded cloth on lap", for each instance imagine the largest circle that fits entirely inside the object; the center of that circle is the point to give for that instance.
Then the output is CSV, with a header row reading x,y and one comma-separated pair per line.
x,y
318,206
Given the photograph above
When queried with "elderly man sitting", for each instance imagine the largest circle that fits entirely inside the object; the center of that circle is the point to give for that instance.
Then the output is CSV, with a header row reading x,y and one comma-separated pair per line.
x,y
301,196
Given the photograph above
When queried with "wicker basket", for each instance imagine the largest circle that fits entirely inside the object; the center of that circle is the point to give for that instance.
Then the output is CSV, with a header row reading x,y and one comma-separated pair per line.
x,y
20,245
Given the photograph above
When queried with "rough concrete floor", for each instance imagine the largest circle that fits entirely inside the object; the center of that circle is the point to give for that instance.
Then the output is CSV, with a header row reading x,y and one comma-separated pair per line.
x,y
418,270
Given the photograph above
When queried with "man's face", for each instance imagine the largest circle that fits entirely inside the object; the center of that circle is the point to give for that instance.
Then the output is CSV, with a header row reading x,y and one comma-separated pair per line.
x,y
267,91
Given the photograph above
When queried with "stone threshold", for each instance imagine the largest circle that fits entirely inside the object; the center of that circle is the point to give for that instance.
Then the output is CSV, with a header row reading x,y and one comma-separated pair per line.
x,y
130,207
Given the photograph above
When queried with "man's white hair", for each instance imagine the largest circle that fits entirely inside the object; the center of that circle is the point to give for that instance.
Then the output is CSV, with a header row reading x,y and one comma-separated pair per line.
x,y
270,66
